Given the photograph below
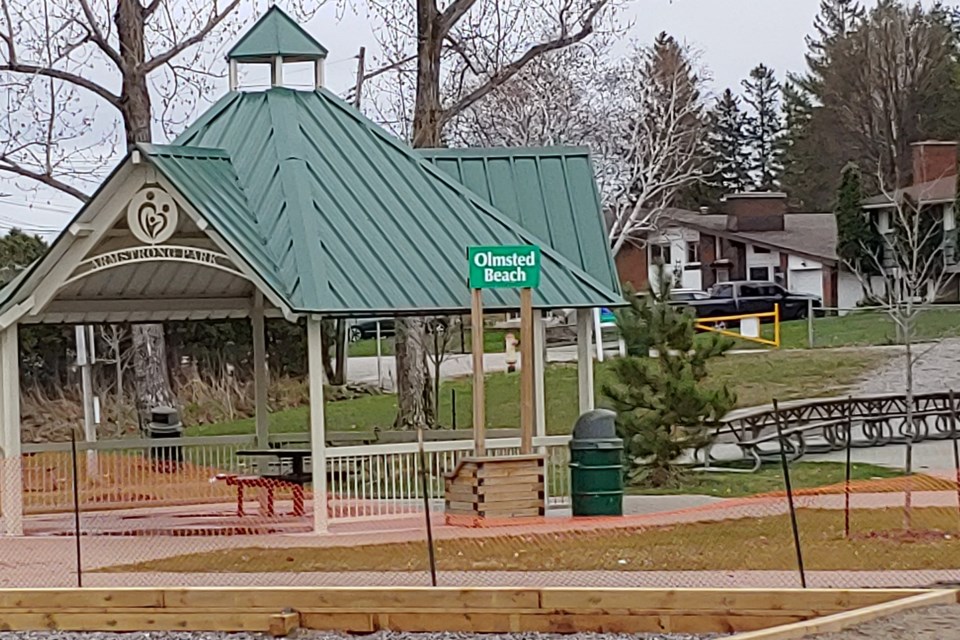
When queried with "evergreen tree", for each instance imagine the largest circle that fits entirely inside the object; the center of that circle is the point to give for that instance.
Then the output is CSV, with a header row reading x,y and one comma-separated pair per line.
x,y
663,403
729,155
858,241
835,20
763,126
17,251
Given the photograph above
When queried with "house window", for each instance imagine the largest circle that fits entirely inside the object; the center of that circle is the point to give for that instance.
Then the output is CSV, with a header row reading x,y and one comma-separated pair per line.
x,y
693,252
660,254
759,273
757,249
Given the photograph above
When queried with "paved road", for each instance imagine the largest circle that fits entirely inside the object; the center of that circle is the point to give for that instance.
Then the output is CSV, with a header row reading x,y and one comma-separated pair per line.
x,y
364,369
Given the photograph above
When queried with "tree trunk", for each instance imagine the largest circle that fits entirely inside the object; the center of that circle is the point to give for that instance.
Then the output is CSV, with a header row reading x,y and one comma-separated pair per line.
x,y
414,401
149,361
415,406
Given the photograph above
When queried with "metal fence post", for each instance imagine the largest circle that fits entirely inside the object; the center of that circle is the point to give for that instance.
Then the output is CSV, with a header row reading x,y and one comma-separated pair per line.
x,y
786,481
76,505
810,340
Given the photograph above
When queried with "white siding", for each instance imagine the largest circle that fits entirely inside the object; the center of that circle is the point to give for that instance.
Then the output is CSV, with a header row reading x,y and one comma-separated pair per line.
x,y
763,260
678,239
805,275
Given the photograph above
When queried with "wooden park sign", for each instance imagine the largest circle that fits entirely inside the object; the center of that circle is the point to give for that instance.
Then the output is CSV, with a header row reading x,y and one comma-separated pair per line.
x,y
484,489
502,267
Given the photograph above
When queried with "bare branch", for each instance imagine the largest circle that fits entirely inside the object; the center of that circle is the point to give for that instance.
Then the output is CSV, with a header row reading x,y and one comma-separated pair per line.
x,y
6,164
96,35
453,13
66,76
211,24
150,8
510,70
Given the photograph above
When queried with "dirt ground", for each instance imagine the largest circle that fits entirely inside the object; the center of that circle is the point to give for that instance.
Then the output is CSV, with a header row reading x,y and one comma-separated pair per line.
x,y
932,623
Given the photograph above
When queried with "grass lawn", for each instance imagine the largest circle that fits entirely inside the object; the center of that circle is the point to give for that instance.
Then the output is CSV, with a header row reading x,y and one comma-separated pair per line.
x,y
862,328
756,378
768,479
761,543
493,342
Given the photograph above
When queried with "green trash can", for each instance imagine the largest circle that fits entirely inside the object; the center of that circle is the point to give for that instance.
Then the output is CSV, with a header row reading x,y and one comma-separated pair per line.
x,y
596,465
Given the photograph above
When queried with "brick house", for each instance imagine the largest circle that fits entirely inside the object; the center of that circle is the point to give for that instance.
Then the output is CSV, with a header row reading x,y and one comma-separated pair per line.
x,y
750,236
934,189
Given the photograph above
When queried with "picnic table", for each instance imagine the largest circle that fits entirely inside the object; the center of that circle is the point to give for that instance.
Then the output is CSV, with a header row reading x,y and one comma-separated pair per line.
x,y
294,479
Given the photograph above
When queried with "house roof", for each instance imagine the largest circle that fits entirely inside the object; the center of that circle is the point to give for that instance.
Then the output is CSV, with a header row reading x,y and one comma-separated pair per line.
x,y
805,234
932,192
276,34
550,191
356,221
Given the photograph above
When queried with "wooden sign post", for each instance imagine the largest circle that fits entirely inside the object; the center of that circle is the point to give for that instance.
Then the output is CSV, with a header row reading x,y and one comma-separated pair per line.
x,y
476,349
500,267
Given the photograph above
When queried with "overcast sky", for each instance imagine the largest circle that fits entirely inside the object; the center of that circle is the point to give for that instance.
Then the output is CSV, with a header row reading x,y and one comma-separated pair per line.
x,y
733,36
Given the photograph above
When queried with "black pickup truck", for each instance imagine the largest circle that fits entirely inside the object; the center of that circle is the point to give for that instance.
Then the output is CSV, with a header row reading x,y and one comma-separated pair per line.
x,y
742,297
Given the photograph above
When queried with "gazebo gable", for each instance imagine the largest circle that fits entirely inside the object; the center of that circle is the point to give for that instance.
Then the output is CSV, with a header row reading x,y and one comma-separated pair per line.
x,y
138,251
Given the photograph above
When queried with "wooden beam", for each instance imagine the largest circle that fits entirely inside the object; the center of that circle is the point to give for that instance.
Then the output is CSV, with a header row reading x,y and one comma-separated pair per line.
x,y
476,350
540,391
283,624
527,371
847,619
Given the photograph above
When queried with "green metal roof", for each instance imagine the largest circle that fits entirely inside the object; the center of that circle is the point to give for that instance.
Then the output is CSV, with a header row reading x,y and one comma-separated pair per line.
x,y
549,191
355,221
276,34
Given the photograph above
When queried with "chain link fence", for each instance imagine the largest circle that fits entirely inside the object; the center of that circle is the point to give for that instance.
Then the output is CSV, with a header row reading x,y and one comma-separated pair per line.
x,y
171,516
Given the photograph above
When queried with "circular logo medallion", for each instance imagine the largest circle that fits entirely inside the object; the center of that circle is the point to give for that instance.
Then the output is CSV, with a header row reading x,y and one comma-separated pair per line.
x,y
152,216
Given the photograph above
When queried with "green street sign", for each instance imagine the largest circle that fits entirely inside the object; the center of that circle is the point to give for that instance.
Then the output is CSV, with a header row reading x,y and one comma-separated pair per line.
x,y
504,267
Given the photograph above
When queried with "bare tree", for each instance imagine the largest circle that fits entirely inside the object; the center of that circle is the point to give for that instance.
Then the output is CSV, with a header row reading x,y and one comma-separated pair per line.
x,y
76,71
437,61
557,99
662,138
440,341
912,260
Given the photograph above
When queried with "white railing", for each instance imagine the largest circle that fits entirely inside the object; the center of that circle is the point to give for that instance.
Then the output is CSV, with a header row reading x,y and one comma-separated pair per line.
x,y
363,480
384,480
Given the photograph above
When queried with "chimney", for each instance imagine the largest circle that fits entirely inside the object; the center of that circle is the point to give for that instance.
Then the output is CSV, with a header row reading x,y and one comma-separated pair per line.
x,y
934,159
755,210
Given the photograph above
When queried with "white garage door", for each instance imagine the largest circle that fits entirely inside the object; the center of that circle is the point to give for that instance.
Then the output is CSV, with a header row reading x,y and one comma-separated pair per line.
x,y
806,281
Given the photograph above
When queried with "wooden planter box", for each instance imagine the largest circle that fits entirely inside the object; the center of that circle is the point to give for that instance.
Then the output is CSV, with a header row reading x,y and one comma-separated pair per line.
x,y
484,489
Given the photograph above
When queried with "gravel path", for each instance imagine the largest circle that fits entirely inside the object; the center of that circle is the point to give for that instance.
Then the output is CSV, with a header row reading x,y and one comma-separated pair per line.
x,y
937,370
932,623
319,635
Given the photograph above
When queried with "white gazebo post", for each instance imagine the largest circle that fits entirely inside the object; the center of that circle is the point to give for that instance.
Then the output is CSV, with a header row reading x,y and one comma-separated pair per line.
x,y
11,499
318,447
585,328
539,358
260,380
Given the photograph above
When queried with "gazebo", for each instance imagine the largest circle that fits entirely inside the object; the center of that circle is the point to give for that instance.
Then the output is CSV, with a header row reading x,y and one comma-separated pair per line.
x,y
290,203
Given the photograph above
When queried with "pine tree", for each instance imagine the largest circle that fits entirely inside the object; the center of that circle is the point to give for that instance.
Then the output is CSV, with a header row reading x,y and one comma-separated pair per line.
x,y
663,403
834,21
729,155
858,242
763,126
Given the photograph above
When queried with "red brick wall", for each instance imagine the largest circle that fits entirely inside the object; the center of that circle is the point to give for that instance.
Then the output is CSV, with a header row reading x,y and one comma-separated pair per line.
x,y
632,267
708,253
933,160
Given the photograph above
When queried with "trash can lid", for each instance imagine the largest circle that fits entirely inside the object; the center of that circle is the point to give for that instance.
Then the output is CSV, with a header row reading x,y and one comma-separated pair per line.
x,y
164,416
595,424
